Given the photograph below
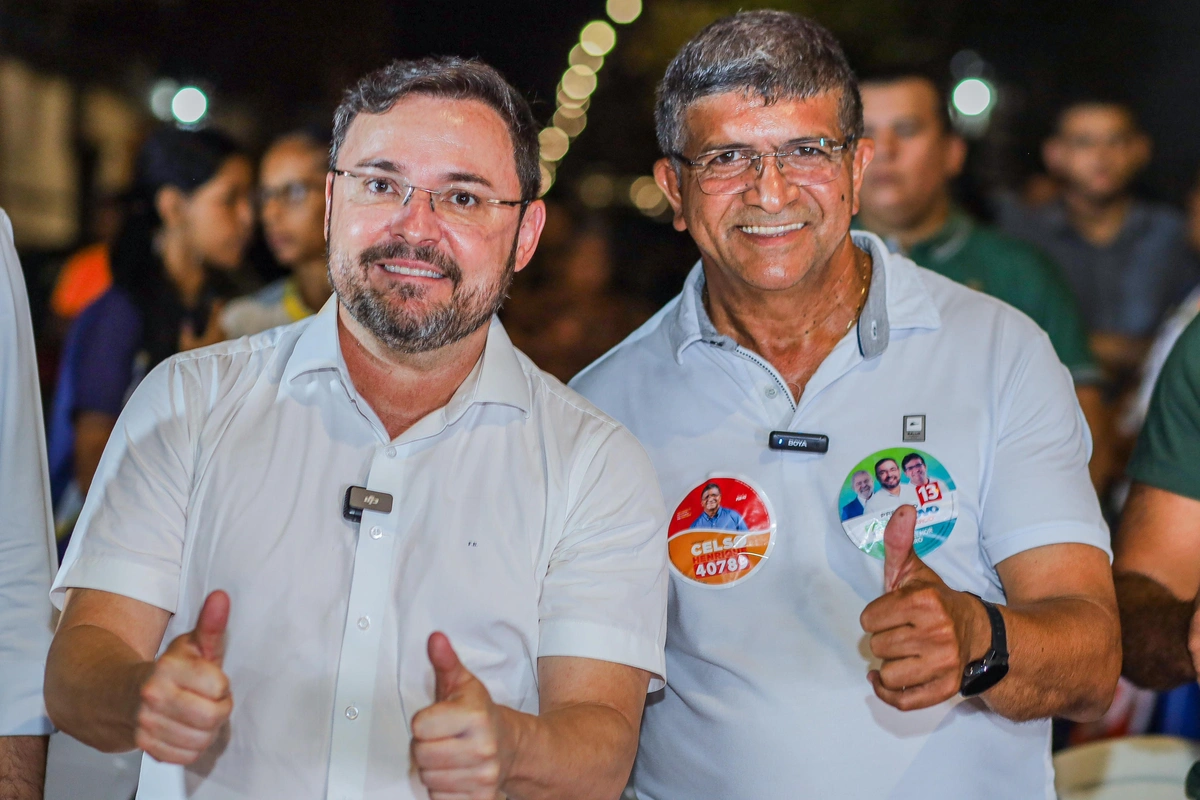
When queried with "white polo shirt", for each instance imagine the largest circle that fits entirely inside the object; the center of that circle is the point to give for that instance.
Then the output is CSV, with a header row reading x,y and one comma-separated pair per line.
x,y
768,695
27,553
524,524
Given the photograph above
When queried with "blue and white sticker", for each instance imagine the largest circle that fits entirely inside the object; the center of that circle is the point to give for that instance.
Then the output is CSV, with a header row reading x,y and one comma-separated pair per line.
x,y
888,479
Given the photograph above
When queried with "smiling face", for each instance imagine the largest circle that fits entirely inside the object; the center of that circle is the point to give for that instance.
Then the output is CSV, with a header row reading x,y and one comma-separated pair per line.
x,y
917,472
710,501
862,484
414,280
888,473
772,235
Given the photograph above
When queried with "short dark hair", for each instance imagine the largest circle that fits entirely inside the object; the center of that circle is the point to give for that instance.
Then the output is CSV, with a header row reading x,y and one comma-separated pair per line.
x,y
773,54
880,461
911,457
454,78
710,485
913,72
1096,101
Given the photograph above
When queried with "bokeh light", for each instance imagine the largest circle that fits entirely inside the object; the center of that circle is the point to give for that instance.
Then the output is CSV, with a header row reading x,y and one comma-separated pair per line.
x,y
578,82
554,143
623,11
189,105
598,38
972,97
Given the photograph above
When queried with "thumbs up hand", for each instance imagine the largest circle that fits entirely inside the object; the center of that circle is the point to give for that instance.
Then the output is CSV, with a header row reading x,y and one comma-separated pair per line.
x,y
185,699
924,632
462,747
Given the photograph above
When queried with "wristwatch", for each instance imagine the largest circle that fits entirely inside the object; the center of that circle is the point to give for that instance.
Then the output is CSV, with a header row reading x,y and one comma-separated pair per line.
x,y
981,675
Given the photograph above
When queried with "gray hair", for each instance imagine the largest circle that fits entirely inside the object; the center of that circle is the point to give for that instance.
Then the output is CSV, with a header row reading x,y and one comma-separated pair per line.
x,y
773,54
453,78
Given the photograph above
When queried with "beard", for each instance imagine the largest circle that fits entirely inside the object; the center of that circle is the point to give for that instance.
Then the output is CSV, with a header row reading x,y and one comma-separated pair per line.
x,y
408,331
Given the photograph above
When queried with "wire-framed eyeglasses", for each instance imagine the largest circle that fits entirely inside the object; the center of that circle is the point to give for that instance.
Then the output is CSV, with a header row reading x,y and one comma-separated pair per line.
x,y
805,162
454,205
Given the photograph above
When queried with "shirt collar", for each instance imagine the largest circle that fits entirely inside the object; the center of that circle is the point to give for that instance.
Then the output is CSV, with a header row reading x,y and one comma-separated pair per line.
x,y
897,299
498,376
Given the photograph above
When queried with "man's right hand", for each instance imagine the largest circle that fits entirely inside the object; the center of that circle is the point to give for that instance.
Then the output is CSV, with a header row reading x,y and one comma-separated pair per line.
x,y
185,699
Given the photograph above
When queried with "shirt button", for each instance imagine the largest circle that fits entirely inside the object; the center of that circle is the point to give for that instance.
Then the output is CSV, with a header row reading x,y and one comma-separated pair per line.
x,y
351,713
376,532
364,623
391,452
771,392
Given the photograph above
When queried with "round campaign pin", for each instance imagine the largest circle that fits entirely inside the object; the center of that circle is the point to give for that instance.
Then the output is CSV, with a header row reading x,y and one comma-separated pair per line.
x,y
721,532
888,479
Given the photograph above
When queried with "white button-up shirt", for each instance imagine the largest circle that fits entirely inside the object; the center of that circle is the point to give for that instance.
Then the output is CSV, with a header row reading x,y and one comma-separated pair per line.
x,y
768,696
27,553
524,523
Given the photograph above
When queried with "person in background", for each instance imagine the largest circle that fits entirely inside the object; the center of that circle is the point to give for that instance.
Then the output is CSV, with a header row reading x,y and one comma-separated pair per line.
x,y
1157,549
1126,259
189,221
907,200
292,207
1134,413
577,316
27,559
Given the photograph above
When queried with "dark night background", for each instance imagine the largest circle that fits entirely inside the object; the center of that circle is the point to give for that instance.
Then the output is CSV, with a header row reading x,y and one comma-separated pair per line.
x,y
280,64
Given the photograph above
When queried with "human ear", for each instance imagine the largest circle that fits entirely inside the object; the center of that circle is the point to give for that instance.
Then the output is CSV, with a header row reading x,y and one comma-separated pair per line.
x,y
666,175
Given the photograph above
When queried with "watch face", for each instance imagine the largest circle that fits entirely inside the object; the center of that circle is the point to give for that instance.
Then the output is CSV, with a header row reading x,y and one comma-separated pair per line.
x,y
979,676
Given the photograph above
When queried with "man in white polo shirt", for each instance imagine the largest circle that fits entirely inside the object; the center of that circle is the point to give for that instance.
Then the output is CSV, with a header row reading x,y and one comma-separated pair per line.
x,y
376,553
811,657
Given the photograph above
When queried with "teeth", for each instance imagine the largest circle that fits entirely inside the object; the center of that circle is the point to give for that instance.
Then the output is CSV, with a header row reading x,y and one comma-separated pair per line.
x,y
771,230
416,273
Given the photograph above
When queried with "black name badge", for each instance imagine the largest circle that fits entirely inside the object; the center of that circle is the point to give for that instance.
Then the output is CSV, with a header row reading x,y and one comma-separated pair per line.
x,y
798,442
360,499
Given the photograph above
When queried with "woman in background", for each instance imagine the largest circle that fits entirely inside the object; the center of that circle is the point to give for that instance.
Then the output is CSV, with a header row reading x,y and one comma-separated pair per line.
x,y
188,224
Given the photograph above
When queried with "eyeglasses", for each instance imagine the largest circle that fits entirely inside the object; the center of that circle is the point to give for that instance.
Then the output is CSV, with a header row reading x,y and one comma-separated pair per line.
x,y
453,205
807,162
292,193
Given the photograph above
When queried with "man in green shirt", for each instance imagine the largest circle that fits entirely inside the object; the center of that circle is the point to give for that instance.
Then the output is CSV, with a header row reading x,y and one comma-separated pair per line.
x,y
1157,549
906,199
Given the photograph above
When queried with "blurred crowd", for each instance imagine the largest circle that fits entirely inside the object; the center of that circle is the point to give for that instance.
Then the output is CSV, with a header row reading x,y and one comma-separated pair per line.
x,y
1112,278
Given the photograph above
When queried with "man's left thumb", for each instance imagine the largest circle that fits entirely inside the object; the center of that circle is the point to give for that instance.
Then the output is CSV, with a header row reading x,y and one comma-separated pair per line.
x,y
448,671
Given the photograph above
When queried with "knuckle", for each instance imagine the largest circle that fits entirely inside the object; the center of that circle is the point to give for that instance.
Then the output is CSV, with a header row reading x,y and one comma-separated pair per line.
x,y
490,773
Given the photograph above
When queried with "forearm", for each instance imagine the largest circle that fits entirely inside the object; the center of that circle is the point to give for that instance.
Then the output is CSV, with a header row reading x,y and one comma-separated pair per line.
x,y
584,752
22,767
1154,633
1064,660
93,680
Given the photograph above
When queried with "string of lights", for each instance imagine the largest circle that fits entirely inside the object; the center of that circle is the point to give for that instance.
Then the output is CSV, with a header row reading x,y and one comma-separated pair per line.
x,y
573,97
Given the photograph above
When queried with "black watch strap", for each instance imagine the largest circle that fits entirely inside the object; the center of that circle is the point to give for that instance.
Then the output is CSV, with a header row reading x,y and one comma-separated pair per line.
x,y
981,675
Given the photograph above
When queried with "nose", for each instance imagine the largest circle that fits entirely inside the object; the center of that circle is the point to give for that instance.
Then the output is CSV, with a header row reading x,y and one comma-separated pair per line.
x,y
770,190
415,220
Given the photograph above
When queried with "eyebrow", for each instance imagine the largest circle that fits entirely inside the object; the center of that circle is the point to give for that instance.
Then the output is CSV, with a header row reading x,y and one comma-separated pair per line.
x,y
384,165
740,146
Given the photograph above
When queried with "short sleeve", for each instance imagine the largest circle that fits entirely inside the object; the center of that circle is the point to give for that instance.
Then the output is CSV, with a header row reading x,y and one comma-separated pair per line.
x,y
1038,491
1165,455
130,535
104,344
26,539
605,592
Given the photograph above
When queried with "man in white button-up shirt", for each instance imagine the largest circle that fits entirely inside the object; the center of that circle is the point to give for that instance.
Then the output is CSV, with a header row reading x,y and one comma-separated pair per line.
x,y
27,553
493,620
858,658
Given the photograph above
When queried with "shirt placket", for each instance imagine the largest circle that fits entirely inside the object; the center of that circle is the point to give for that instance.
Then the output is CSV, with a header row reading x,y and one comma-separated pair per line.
x,y
370,592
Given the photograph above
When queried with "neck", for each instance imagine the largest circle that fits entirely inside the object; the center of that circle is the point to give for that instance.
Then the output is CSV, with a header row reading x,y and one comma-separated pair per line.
x,y
404,387
1097,220
794,329
912,234
184,270
312,280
